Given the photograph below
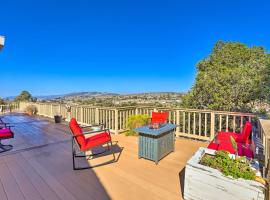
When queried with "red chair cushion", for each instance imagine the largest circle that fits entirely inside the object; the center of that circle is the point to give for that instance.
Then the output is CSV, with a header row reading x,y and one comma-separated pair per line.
x,y
159,117
6,133
246,131
247,151
76,130
96,140
225,136
238,137
226,146
213,146
242,149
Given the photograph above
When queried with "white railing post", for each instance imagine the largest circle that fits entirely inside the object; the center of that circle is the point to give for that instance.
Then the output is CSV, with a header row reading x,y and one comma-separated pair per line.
x,y
51,111
82,120
212,126
59,109
116,130
97,116
177,121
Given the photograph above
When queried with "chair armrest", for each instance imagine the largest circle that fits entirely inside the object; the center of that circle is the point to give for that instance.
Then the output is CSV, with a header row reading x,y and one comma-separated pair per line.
x,y
90,132
86,126
93,125
5,125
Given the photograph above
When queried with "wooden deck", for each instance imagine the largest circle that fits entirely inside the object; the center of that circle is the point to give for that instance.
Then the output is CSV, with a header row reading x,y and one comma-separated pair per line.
x,y
40,167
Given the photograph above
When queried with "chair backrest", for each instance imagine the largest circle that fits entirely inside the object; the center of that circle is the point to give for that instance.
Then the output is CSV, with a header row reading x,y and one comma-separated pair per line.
x,y
77,130
159,117
246,131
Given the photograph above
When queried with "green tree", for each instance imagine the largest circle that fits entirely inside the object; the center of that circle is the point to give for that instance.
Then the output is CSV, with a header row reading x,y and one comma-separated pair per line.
x,y
24,96
2,102
232,78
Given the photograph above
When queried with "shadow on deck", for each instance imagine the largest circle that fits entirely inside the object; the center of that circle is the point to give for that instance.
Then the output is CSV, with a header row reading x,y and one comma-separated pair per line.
x,y
40,167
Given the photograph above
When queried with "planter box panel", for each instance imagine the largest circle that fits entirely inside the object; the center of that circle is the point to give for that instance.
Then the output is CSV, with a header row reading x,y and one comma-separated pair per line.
x,y
202,182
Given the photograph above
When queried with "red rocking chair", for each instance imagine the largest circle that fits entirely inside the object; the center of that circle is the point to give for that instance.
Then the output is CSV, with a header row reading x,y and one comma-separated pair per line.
x,y
5,133
84,144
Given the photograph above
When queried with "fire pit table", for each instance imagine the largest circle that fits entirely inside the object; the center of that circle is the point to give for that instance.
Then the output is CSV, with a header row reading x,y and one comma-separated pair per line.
x,y
154,144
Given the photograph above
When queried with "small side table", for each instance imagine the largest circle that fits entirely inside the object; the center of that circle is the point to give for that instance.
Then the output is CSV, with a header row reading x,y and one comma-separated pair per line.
x,y
154,144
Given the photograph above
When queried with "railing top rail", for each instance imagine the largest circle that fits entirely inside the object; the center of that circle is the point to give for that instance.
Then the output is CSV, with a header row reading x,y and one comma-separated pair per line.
x,y
210,111
265,125
158,108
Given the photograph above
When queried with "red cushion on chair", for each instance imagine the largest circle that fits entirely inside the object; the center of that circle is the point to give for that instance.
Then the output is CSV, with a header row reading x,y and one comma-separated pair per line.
x,y
76,130
226,146
248,152
6,133
238,137
246,132
96,140
242,149
225,136
213,146
159,117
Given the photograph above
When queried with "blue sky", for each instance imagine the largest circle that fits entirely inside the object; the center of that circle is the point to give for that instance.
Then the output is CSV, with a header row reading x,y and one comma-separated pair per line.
x,y
61,46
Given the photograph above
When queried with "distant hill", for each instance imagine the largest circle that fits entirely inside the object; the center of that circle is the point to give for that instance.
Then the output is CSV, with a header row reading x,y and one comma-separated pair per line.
x,y
75,95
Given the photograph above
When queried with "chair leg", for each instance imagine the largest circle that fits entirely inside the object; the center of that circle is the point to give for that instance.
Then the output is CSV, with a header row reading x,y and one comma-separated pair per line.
x,y
112,151
74,156
5,147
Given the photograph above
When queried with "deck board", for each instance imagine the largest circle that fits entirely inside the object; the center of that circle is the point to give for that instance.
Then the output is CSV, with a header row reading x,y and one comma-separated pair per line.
x,y
40,167
24,183
3,194
41,186
10,185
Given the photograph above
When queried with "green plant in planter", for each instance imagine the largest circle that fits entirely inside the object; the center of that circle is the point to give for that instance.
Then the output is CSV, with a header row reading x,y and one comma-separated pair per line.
x,y
237,168
136,121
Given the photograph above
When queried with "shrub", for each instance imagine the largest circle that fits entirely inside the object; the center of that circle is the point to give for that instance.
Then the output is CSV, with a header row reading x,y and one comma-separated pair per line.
x,y
136,121
237,168
31,109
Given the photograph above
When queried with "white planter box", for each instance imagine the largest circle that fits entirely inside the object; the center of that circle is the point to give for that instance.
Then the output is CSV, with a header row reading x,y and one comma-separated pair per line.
x,y
205,183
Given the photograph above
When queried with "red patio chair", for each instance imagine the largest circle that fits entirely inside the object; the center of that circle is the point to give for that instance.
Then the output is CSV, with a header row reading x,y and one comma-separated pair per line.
x,y
5,133
222,142
84,144
159,117
242,137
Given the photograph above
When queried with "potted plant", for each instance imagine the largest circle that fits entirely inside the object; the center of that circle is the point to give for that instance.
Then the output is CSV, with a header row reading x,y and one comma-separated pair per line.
x,y
31,110
211,174
136,121
57,118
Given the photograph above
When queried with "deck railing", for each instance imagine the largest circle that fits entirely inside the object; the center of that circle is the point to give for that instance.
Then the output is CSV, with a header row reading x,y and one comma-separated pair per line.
x,y
192,123
9,107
